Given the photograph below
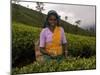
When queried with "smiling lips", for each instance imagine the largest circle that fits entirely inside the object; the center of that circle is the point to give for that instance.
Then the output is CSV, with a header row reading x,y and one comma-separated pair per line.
x,y
52,24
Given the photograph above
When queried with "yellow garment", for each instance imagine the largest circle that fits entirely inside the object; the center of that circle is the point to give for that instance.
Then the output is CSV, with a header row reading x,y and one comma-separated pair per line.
x,y
55,46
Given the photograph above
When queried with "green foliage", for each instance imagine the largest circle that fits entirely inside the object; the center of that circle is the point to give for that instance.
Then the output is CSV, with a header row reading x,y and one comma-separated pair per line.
x,y
25,32
27,16
33,18
83,46
23,38
69,64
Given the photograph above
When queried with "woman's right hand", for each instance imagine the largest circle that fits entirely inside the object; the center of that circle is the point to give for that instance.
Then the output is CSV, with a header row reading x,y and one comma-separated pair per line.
x,y
52,54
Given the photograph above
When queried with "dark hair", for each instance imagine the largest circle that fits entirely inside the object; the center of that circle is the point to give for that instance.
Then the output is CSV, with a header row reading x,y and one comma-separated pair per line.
x,y
54,13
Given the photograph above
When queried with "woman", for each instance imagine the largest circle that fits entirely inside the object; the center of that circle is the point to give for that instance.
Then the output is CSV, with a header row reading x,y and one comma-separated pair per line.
x,y
53,44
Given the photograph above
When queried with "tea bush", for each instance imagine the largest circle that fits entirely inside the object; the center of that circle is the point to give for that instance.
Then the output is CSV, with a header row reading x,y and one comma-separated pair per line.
x,y
69,64
24,37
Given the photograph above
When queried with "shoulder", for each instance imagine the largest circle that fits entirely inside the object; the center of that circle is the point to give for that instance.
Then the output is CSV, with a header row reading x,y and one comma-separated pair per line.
x,y
62,29
44,30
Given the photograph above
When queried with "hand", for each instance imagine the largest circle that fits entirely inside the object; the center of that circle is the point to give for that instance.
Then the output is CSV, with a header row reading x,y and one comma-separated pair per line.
x,y
66,53
65,56
52,54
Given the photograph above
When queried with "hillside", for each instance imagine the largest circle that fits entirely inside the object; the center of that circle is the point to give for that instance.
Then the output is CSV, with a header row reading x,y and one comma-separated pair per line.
x,y
33,18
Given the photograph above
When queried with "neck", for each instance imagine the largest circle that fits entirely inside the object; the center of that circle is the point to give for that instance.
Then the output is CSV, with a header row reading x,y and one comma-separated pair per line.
x,y
52,28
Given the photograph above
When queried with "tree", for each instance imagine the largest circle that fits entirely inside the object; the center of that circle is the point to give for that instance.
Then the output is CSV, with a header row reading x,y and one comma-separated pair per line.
x,y
27,6
40,6
78,22
66,17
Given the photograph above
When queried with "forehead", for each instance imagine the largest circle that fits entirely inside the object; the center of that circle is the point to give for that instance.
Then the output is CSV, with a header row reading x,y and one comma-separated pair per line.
x,y
52,16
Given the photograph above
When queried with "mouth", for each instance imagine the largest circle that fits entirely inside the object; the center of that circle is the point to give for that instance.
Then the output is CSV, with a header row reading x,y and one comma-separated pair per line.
x,y
52,24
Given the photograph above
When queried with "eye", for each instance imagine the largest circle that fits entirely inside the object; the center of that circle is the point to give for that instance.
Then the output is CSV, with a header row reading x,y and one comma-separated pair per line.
x,y
52,19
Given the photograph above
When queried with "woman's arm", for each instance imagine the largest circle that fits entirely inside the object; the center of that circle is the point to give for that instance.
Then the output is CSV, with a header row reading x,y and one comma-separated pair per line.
x,y
42,42
42,50
65,51
64,43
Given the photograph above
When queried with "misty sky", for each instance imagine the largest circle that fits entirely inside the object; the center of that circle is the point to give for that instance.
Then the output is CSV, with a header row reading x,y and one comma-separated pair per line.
x,y
74,12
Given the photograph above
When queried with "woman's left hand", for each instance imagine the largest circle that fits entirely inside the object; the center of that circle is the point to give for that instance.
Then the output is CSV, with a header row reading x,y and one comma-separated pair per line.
x,y
66,53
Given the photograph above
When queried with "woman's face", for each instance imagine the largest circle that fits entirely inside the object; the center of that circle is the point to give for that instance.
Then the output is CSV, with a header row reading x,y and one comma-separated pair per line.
x,y
52,20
